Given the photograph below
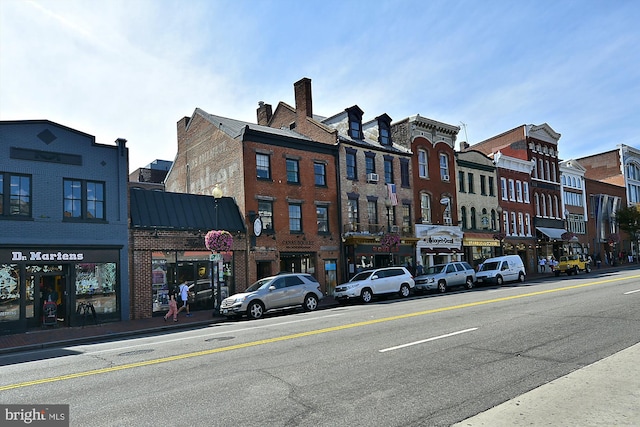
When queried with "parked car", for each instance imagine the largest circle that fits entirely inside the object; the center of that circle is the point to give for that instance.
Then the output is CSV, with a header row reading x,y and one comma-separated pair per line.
x,y
441,277
572,264
275,292
201,293
380,281
498,270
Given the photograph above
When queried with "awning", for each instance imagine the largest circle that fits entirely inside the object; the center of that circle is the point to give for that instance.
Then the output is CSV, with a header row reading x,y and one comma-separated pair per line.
x,y
552,233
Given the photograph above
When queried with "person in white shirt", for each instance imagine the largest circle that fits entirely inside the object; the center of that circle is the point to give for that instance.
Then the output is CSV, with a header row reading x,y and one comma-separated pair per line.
x,y
184,296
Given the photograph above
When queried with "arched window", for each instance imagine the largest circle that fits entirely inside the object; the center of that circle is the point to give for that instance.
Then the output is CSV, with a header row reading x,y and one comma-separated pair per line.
x,y
573,182
544,205
473,218
564,181
555,204
463,217
493,220
535,167
550,205
536,201
540,169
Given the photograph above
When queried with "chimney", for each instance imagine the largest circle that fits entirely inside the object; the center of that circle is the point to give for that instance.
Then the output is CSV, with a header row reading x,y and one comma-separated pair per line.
x,y
264,113
464,145
302,89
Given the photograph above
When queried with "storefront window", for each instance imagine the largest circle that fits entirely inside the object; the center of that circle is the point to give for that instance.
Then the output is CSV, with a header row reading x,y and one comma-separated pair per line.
x,y
97,282
9,292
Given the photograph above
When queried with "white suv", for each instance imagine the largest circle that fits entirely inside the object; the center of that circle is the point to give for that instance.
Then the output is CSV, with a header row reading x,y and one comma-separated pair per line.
x,y
367,284
444,276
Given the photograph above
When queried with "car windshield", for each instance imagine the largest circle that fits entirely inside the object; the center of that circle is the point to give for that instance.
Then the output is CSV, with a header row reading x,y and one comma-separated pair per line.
x,y
489,266
361,276
435,269
260,284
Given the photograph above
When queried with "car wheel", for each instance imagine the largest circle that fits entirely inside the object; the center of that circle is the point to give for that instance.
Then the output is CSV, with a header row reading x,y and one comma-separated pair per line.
x,y
405,290
310,302
469,283
255,310
442,286
587,269
576,270
366,295
499,280
521,277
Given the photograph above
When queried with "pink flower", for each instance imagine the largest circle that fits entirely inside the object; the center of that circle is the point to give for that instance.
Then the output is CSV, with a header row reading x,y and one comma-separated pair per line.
x,y
390,240
218,241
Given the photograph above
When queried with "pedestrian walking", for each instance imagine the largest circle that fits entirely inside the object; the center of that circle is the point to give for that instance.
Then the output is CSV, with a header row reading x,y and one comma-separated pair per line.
x,y
541,264
173,307
184,296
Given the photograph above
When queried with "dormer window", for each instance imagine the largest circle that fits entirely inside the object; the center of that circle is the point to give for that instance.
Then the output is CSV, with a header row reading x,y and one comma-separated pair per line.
x,y
384,128
355,122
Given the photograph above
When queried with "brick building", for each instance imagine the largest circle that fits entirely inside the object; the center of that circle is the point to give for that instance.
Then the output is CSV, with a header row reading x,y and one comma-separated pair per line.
x,y
278,178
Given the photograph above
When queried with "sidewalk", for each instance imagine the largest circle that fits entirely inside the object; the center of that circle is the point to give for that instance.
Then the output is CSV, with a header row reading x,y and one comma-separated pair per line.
x,y
51,337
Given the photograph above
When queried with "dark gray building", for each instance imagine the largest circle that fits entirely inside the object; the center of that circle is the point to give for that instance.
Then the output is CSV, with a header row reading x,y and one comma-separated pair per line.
x,y
63,226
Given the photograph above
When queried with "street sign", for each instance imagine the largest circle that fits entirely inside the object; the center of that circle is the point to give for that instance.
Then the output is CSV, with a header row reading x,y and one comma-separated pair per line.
x,y
215,257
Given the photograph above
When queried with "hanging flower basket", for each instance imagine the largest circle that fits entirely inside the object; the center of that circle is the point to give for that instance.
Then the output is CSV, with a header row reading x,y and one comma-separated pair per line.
x,y
499,236
390,240
218,241
568,236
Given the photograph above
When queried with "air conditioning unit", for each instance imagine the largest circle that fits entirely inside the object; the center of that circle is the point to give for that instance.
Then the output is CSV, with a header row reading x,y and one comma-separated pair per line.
x,y
445,177
395,228
372,177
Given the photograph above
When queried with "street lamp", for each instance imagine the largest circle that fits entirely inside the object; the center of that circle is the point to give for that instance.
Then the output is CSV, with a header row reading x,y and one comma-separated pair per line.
x,y
501,232
217,194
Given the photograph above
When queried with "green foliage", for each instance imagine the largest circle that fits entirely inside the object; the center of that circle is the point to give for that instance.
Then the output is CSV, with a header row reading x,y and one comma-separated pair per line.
x,y
628,219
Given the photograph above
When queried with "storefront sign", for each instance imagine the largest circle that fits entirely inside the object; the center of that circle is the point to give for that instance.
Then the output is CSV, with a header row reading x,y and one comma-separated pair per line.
x,y
30,254
438,236
46,256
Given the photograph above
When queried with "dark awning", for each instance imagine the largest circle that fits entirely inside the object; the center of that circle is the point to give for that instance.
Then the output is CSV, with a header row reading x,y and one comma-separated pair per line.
x,y
552,233
151,209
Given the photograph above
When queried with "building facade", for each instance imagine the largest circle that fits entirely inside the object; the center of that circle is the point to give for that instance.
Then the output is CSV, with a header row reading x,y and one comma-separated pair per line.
x,y
64,234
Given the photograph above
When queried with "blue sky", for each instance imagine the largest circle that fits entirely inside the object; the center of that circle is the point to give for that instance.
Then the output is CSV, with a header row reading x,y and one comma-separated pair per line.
x,y
131,69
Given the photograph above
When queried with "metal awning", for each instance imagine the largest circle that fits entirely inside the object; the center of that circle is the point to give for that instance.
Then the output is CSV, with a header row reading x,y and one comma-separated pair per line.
x,y
552,233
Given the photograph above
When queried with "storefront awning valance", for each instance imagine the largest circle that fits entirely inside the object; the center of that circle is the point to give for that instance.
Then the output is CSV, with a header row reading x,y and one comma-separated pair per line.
x,y
552,233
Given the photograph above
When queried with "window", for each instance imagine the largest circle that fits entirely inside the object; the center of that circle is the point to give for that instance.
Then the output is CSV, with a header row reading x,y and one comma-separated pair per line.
x,y
519,191
527,219
534,171
425,208
263,166
265,210
388,171
503,185
293,171
295,217
521,223
505,222
514,224
494,225
473,219
352,213
564,180
15,195
546,171
320,173
526,191
322,214
463,217
404,173
554,176
633,171
491,187
372,211
470,180
384,126
444,167
461,181
483,185
83,199
355,122
540,168
512,191
536,200
370,162
351,165
423,168
406,217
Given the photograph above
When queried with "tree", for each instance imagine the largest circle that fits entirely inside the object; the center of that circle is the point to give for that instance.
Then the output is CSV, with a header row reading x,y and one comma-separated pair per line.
x,y
628,219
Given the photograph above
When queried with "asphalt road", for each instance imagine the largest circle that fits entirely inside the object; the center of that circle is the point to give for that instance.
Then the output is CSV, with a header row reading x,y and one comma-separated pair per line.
x,y
424,361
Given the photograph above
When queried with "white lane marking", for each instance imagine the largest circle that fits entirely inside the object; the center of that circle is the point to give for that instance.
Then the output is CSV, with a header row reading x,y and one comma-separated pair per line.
x,y
631,292
427,340
155,341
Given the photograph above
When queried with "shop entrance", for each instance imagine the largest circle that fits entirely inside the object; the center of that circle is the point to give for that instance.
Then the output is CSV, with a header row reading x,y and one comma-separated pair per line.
x,y
47,300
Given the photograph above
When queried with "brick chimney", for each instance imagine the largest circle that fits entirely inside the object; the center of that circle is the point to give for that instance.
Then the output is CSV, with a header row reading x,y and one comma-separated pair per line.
x,y
264,113
302,89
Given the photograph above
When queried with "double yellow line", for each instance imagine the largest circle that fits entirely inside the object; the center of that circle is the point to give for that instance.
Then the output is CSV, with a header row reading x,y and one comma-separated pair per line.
x,y
298,335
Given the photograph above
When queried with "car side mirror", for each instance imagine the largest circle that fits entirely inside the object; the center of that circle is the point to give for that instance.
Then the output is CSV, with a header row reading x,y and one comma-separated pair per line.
x,y
272,288
374,277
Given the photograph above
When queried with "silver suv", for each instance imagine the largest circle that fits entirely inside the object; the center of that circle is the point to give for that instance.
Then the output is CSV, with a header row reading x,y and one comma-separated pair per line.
x,y
444,276
366,284
281,291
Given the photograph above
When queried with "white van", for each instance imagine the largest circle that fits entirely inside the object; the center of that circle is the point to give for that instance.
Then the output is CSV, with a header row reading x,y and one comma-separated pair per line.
x,y
507,268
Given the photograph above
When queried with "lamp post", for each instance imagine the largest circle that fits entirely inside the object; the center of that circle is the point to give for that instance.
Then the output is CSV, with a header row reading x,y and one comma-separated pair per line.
x,y
217,194
500,232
